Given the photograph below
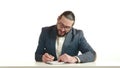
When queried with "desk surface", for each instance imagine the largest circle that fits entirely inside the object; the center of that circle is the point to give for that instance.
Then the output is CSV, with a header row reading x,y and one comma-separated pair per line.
x,y
41,64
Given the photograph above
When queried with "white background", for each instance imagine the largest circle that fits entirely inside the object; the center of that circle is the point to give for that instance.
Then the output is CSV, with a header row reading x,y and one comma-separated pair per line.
x,y
21,22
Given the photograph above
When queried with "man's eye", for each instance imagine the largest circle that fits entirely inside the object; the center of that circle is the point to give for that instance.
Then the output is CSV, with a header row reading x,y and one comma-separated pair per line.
x,y
67,27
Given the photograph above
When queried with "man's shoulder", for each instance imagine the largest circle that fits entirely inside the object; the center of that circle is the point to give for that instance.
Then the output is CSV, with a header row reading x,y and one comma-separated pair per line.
x,y
77,31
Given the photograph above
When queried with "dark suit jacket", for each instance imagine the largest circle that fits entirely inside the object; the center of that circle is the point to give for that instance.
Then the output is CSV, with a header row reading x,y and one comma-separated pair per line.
x,y
74,42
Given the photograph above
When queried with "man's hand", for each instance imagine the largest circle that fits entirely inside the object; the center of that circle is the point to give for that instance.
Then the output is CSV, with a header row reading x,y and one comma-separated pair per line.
x,y
47,57
67,58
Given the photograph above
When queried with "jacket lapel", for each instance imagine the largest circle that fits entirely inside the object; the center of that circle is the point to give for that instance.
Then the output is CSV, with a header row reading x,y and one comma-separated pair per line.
x,y
67,41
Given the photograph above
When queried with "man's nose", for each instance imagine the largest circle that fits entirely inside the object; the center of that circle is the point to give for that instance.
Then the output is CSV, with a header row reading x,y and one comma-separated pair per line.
x,y
63,29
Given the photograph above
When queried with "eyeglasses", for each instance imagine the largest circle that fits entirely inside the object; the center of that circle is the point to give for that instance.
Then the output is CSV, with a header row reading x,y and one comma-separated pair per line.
x,y
61,25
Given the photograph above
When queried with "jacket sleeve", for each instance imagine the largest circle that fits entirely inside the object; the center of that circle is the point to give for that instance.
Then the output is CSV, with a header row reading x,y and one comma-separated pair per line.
x,y
88,54
40,48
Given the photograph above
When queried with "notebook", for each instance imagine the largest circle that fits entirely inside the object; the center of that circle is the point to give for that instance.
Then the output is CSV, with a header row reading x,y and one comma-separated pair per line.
x,y
55,62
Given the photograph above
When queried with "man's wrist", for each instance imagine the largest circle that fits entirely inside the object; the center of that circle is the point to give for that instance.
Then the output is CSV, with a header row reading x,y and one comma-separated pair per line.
x,y
78,60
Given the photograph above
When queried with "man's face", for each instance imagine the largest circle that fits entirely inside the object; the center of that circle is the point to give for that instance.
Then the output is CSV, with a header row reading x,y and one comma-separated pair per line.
x,y
64,25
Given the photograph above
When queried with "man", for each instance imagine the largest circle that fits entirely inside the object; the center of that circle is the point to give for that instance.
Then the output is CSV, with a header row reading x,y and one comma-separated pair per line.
x,y
62,42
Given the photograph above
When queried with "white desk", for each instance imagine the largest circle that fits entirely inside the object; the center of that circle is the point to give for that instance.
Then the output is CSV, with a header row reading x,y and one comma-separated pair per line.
x,y
44,65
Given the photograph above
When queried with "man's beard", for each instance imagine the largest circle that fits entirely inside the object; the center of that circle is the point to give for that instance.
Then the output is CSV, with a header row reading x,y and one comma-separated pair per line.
x,y
61,35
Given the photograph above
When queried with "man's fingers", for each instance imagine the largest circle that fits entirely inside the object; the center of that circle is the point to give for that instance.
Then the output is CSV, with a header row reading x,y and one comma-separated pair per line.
x,y
47,55
59,60
48,59
63,58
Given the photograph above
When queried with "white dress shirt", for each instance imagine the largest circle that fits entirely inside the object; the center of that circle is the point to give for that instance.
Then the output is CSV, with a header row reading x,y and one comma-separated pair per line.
x,y
59,44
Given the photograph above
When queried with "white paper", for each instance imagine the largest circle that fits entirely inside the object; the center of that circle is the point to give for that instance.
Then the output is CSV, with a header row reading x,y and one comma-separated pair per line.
x,y
55,62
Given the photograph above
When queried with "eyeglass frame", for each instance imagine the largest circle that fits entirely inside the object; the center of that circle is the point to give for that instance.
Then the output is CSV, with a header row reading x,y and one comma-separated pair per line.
x,y
61,25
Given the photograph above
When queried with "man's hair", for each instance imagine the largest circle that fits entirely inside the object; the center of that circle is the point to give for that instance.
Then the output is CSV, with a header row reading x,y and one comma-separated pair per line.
x,y
69,15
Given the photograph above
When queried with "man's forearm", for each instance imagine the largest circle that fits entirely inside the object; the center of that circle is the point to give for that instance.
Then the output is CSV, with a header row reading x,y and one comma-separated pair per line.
x,y
87,57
